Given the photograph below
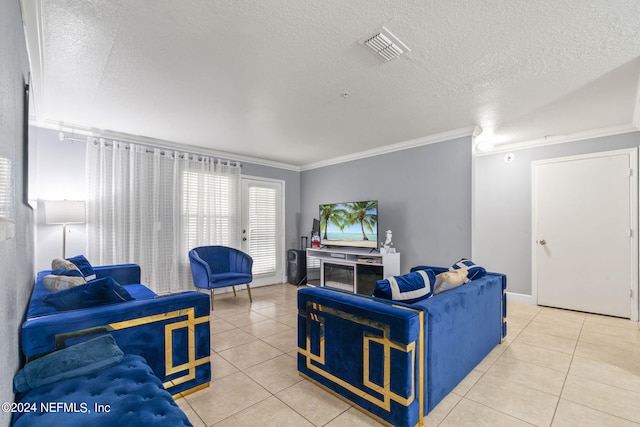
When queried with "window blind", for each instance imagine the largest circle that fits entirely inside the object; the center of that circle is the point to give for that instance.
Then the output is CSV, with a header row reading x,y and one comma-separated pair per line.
x,y
262,230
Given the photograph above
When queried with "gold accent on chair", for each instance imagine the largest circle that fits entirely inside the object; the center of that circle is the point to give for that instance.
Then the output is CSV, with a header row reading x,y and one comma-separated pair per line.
x,y
314,314
190,324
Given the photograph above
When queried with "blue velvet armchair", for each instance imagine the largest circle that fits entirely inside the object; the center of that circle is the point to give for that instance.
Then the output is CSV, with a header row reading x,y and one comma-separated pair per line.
x,y
220,266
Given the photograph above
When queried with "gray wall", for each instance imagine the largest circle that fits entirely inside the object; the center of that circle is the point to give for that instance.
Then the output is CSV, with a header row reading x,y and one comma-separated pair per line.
x,y
502,204
424,197
16,253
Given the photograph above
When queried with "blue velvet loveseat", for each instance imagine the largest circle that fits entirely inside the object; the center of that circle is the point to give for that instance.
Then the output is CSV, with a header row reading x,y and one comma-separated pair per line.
x,y
171,332
397,361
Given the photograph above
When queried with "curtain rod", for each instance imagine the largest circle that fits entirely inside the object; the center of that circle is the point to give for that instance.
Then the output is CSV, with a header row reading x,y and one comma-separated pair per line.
x,y
150,148
63,137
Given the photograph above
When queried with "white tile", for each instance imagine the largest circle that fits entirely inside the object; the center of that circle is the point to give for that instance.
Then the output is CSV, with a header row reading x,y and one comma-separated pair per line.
x,y
229,339
546,341
606,373
353,418
539,356
471,414
313,402
530,375
270,412
276,374
570,414
602,397
250,354
516,400
226,397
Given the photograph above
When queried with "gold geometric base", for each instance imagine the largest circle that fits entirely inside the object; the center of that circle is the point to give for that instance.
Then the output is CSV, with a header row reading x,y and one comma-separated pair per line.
x,y
190,391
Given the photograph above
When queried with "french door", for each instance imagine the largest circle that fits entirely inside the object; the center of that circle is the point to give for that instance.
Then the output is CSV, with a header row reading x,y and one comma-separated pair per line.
x,y
263,228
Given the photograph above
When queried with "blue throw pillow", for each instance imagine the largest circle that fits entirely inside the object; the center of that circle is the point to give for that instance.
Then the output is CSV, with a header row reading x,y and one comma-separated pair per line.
x,y
96,292
475,271
80,359
84,266
410,288
72,273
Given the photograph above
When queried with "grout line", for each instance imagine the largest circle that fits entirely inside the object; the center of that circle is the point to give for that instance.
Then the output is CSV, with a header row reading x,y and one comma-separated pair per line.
x,y
555,410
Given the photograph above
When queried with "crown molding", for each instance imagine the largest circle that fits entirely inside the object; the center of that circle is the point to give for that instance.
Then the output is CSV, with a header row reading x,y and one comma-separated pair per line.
x,y
552,140
470,131
412,143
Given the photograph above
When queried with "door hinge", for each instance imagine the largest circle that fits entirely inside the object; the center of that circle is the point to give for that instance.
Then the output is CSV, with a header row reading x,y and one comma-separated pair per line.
x,y
630,171
630,293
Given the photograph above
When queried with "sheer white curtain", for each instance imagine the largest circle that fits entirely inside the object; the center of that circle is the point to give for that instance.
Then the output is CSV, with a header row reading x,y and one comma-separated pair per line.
x,y
150,206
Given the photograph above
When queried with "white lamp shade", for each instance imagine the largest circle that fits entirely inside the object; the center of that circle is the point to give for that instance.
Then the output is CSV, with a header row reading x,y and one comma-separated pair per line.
x,y
64,212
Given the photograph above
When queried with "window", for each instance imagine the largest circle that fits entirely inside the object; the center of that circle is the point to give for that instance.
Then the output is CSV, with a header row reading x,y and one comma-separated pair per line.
x,y
5,188
263,228
7,216
262,223
210,211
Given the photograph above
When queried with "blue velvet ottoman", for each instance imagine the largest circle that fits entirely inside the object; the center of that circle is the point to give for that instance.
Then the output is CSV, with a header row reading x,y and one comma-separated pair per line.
x,y
123,395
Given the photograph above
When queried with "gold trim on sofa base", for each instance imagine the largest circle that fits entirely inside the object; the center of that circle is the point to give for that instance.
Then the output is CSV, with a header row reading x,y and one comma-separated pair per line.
x,y
190,324
314,313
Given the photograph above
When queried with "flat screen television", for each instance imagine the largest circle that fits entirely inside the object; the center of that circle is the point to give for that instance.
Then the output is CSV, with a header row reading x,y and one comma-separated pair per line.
x,y
351,224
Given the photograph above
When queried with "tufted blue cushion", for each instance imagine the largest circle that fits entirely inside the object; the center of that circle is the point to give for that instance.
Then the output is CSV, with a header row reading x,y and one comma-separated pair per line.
x,y
135,398
475,271
95,292
409,288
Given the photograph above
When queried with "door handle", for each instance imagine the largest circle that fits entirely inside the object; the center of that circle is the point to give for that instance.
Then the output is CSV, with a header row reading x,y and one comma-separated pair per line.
x,y
542,242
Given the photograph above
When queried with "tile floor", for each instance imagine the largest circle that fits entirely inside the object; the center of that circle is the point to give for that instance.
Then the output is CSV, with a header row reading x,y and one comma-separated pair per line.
x,y
556,367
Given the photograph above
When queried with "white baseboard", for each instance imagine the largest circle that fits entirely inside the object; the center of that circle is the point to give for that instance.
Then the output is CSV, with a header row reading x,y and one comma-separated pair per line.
x,y
521,298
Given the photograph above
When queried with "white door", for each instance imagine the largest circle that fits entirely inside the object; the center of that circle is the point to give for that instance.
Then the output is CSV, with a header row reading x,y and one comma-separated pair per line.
x,y
584,225
263,228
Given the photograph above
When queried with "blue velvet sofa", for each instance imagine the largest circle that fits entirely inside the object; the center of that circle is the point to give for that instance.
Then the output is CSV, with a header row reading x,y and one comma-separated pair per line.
x,y
171,332
397,361
92,384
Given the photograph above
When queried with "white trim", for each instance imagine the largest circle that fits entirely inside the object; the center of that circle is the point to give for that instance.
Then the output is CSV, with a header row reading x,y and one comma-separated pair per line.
x,y
635,278
521,299
636,110
561,139
413,143
474,227
283,219
280,184
633,214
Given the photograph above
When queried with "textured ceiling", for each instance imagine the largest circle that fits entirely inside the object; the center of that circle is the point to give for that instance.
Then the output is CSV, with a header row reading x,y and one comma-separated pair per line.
x,y
265,78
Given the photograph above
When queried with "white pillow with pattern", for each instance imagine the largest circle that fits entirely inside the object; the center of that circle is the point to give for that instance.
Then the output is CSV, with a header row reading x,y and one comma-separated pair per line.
x,y
55,283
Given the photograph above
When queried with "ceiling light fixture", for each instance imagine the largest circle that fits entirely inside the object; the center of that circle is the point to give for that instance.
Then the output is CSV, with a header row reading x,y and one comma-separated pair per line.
x,y
385,44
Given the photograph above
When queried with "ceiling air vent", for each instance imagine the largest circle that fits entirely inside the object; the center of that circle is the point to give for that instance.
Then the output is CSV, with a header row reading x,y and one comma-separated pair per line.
x,y
385,44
